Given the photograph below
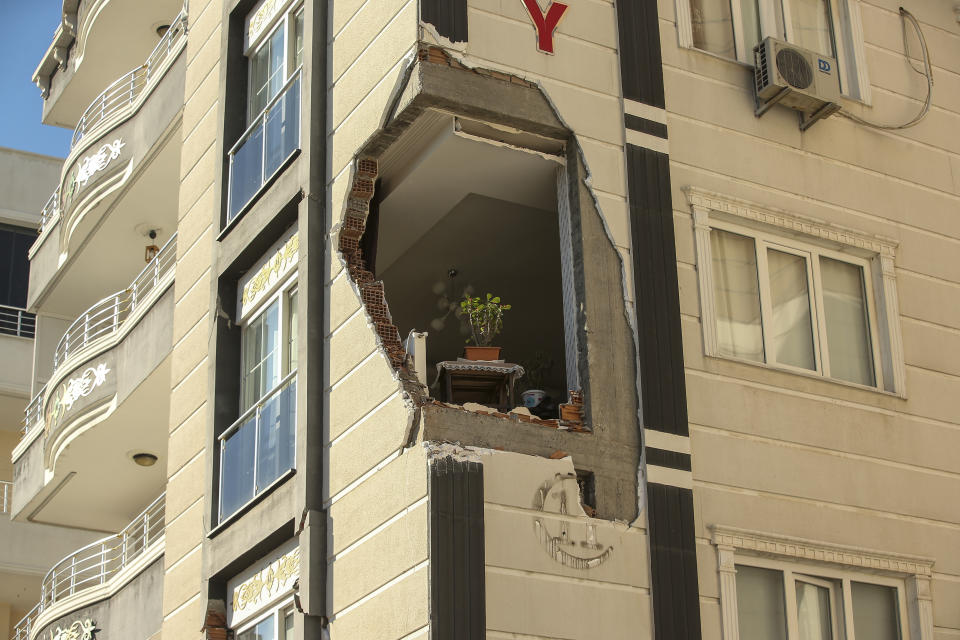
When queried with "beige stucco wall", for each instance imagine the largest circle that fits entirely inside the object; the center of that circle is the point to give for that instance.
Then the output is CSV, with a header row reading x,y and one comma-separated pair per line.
x,y
183,604
782,453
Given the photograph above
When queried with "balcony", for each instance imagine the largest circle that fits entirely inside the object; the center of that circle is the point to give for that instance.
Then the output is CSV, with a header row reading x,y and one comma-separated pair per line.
x,y
265,147
259,448
98,41
97,572
106,400
17,322
120,179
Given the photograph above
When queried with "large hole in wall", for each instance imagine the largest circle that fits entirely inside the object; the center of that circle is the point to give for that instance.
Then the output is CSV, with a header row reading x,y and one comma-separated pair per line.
x,y
461,207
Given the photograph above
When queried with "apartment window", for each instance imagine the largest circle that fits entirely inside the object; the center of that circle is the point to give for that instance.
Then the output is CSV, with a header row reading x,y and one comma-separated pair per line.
x,y
259,448
278,624
731,28
274,55
777,601
821,302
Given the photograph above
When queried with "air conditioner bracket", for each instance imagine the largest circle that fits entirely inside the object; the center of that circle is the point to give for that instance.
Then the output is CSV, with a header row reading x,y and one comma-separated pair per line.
x,y
764,105
829,108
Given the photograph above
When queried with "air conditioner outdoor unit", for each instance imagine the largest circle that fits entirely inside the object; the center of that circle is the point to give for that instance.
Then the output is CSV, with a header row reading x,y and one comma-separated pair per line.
x,y
797,78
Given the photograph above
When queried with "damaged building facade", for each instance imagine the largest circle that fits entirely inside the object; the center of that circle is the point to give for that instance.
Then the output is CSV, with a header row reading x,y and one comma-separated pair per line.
x,y
723,405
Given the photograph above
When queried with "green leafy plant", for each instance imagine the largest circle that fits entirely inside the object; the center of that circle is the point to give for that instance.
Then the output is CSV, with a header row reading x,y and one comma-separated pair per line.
x,y
485,316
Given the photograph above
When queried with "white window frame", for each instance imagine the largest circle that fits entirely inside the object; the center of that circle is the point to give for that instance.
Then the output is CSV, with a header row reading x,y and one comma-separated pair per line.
x,y
847,31
281,294
286,21
824,563
278,611
783,231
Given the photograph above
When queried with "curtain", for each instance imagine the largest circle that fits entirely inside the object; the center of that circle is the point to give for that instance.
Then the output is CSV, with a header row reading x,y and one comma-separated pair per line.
x,y
813,612
737,296
712,26
760,605
791,334
848,330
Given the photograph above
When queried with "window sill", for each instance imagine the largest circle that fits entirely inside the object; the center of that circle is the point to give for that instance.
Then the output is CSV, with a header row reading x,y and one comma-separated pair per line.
x,y
810,375
252,502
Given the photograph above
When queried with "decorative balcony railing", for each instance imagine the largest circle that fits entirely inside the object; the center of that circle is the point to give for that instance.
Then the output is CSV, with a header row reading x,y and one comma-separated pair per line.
x,y
125,90
96,563
6,496
33,414
17,322
51,210
266,144
108,315
259,447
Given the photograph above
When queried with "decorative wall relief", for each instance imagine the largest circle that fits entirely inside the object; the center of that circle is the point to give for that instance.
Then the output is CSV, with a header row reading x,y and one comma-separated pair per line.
x,y
276,267
88,166
572,544
268,581
72,390
78,630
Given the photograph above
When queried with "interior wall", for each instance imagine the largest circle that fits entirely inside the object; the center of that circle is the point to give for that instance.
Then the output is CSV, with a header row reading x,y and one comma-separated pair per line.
x,y
497,247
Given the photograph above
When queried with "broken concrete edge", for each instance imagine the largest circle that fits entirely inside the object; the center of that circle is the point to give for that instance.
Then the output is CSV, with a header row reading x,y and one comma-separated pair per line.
x,y
515,416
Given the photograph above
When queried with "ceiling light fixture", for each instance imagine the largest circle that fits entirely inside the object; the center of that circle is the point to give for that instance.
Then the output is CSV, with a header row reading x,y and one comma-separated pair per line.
x,y
145,459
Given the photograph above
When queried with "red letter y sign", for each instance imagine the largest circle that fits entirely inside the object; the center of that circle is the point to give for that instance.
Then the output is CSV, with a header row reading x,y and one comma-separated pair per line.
x,y
545,23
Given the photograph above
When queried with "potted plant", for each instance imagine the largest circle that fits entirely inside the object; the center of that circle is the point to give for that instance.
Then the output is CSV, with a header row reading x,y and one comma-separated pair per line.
x,y
486,322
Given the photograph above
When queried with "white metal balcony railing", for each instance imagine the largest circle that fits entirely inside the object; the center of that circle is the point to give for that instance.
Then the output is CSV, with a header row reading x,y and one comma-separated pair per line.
x,y
6,495
125,90
17,322
270,139
33,414
50,210
108,315
96,563
259,447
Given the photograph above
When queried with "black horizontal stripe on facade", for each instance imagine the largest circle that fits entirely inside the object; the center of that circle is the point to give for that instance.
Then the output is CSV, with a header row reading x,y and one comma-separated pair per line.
x,y
652,127
667,458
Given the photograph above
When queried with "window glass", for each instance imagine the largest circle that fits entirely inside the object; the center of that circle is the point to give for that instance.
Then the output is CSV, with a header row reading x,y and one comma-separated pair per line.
x,y
292,332
261,359
737,295
750,16
875,611
791,335
262,631
712,26
848,329
811,28
297,40
266,72
813,612
760,604
288,625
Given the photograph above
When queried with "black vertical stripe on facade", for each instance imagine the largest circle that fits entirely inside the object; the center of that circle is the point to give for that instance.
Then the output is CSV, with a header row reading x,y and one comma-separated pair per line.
x,y
673,563
457,585
669,459
662,384
645,126
448,16
641,70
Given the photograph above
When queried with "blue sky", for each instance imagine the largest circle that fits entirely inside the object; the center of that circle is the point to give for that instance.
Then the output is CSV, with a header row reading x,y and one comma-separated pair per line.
x,y
26,30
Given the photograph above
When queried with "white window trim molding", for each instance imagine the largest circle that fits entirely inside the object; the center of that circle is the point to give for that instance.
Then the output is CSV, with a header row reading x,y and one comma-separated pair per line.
x,y
916,571
850,10
707,206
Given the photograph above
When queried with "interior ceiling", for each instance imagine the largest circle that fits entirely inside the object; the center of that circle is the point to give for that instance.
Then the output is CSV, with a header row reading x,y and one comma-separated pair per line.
x,y
489,212
423,184
121,37
109,489
149,202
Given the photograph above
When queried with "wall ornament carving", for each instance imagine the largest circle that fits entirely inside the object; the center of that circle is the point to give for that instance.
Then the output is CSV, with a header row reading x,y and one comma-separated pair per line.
x,y
75,388
263,585
571,544
98,161
77,630
283,261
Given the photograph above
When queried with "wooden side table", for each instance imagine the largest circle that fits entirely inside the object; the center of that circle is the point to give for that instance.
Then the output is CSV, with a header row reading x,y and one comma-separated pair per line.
x,y
485,382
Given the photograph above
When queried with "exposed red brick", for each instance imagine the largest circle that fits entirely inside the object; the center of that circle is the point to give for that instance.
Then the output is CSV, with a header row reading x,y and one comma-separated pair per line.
x,y
367,168
557,455
362,188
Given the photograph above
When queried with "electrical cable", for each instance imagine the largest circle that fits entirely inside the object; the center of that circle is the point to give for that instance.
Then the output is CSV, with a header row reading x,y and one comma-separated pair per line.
x,y
905,16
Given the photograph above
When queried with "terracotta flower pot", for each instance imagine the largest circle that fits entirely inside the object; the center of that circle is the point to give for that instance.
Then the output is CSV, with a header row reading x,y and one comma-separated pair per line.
x,y
482,353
